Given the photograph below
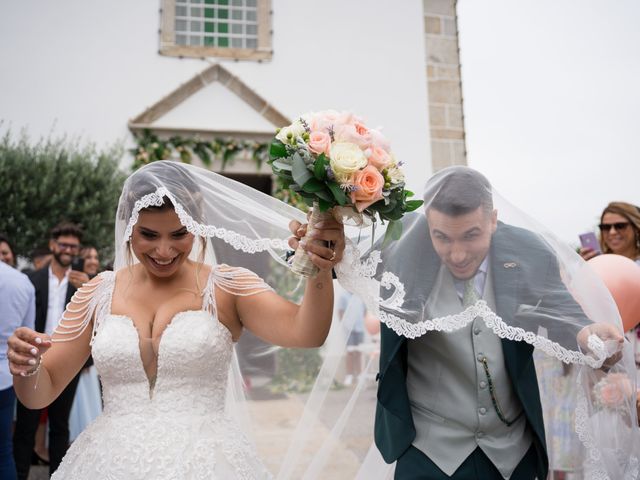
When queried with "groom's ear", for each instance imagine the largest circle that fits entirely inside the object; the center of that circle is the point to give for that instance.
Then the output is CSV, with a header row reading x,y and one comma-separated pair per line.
x,y
494,221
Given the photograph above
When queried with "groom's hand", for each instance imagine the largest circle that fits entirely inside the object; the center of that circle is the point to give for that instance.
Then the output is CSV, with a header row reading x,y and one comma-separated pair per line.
x,y
607,333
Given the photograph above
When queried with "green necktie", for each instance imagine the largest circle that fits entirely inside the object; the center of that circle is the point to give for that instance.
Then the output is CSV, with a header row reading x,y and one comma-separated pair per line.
x,y
470,295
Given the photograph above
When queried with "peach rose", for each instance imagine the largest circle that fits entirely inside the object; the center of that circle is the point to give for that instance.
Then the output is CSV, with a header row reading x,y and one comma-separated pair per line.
x,y
319,142
378,157
368,183
361,129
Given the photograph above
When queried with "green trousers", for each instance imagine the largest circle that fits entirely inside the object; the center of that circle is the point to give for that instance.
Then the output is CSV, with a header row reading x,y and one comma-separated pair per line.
x,y
415,465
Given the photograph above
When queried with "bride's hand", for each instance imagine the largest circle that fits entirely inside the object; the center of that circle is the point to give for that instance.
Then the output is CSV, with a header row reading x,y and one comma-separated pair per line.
x,y
25,347
325,245
298,230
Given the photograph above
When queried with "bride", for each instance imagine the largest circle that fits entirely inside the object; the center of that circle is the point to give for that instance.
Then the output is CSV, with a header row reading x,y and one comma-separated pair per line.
x,y
162,326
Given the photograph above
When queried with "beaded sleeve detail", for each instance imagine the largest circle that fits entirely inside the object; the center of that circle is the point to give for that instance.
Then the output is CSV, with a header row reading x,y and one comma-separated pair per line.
x,y
92,301
234,280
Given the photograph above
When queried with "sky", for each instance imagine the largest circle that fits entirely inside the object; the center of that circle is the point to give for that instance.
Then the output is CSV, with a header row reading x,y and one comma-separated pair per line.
x,y
551,99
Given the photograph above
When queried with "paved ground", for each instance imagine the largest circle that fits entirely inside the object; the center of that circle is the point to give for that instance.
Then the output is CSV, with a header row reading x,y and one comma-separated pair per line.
x,y
278,417
39,473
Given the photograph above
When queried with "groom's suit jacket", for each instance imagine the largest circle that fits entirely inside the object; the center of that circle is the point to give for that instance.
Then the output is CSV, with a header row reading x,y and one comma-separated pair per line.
x,y
524,272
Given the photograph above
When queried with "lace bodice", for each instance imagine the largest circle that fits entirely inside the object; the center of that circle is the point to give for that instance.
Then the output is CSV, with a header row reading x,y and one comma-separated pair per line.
x,y
193,364
175,427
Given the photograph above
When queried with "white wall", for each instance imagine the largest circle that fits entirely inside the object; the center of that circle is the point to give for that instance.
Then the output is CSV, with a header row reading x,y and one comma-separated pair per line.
x,y
551,100
90,66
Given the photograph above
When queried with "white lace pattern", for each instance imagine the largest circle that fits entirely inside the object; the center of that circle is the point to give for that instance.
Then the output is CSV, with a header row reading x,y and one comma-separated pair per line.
x,y
177,428
237,241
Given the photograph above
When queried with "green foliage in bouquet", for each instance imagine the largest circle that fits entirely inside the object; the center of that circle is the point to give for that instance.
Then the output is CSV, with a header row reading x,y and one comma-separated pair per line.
x,y
312,178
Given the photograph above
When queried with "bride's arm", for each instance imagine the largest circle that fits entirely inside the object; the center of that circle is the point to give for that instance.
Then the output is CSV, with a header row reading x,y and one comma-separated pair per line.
x,y
285,323
59,360
281,322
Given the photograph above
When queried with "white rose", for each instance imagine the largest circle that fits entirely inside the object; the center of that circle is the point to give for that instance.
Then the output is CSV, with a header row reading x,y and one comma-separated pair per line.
x,y
296,129
345,160
395,175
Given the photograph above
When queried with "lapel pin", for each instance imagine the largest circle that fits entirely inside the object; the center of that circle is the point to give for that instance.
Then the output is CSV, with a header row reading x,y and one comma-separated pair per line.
x,y
510,265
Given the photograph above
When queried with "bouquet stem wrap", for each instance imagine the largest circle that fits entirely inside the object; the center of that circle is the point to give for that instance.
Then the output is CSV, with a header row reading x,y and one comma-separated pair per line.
x,y
302,264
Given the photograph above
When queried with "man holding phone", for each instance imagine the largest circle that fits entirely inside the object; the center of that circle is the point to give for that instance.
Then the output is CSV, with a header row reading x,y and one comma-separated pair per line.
x,y
54,284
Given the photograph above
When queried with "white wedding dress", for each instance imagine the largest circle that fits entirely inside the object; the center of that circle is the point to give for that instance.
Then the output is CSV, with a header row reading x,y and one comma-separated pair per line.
x,y
176,428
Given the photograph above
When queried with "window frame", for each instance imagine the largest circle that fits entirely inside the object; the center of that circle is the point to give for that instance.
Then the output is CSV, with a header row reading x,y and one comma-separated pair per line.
x,y
168,46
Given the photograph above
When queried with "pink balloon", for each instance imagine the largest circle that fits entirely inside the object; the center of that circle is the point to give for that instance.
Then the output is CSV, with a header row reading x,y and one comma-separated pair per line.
x,y
621,275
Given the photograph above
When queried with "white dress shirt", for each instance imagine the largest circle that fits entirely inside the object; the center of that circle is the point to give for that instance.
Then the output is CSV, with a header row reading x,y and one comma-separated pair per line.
x,y
57,300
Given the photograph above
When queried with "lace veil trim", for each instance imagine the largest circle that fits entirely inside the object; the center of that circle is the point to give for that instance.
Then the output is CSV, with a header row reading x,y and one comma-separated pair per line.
x,y
358,277
236,240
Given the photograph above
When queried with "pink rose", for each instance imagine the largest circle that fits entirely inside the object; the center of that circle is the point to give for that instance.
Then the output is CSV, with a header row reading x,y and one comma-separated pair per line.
x,y
323,120
379,140
347,118
378,157
352,134
319,142
369,183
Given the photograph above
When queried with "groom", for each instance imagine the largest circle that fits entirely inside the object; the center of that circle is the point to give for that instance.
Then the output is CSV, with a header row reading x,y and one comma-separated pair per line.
x,y
465,405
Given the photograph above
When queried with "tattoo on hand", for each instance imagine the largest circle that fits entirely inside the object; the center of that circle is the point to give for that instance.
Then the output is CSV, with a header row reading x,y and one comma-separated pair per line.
x,y
319,285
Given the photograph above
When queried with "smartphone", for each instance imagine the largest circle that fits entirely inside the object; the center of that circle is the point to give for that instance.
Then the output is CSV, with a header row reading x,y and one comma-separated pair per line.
x,y
77,264
589,240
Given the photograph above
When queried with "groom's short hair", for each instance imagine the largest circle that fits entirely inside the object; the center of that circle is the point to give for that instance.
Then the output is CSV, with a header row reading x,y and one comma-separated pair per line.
x,y
463,190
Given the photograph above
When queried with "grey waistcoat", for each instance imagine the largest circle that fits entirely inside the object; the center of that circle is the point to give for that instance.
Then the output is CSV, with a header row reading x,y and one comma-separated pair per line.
x,y
449,393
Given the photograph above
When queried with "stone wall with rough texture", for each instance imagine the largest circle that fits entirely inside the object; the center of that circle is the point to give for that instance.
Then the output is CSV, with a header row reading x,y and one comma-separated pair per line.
x,y
446,119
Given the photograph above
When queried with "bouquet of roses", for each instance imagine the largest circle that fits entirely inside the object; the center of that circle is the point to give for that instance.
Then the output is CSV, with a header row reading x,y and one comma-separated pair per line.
x,y
334,161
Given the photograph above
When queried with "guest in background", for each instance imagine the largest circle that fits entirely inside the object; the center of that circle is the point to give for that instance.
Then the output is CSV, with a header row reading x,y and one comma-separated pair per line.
x,y
87,404
40,257
352,313
54,286
7,254
619,232
17,308
91,260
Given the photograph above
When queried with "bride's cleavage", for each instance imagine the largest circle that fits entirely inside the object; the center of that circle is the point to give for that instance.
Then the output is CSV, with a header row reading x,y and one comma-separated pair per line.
x,y
149,352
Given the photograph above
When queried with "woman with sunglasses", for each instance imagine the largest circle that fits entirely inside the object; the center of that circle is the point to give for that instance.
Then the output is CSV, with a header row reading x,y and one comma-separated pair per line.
x,y
619,232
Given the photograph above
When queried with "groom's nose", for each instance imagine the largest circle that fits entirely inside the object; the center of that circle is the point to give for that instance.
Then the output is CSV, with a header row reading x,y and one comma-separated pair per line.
x,y
458,254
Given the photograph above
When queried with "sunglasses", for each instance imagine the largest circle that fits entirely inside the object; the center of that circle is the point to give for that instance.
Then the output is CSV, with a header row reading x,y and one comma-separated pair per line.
x,y
619,226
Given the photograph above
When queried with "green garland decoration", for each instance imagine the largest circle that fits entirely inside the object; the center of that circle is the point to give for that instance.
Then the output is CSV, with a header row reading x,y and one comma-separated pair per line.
x,y
151,148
